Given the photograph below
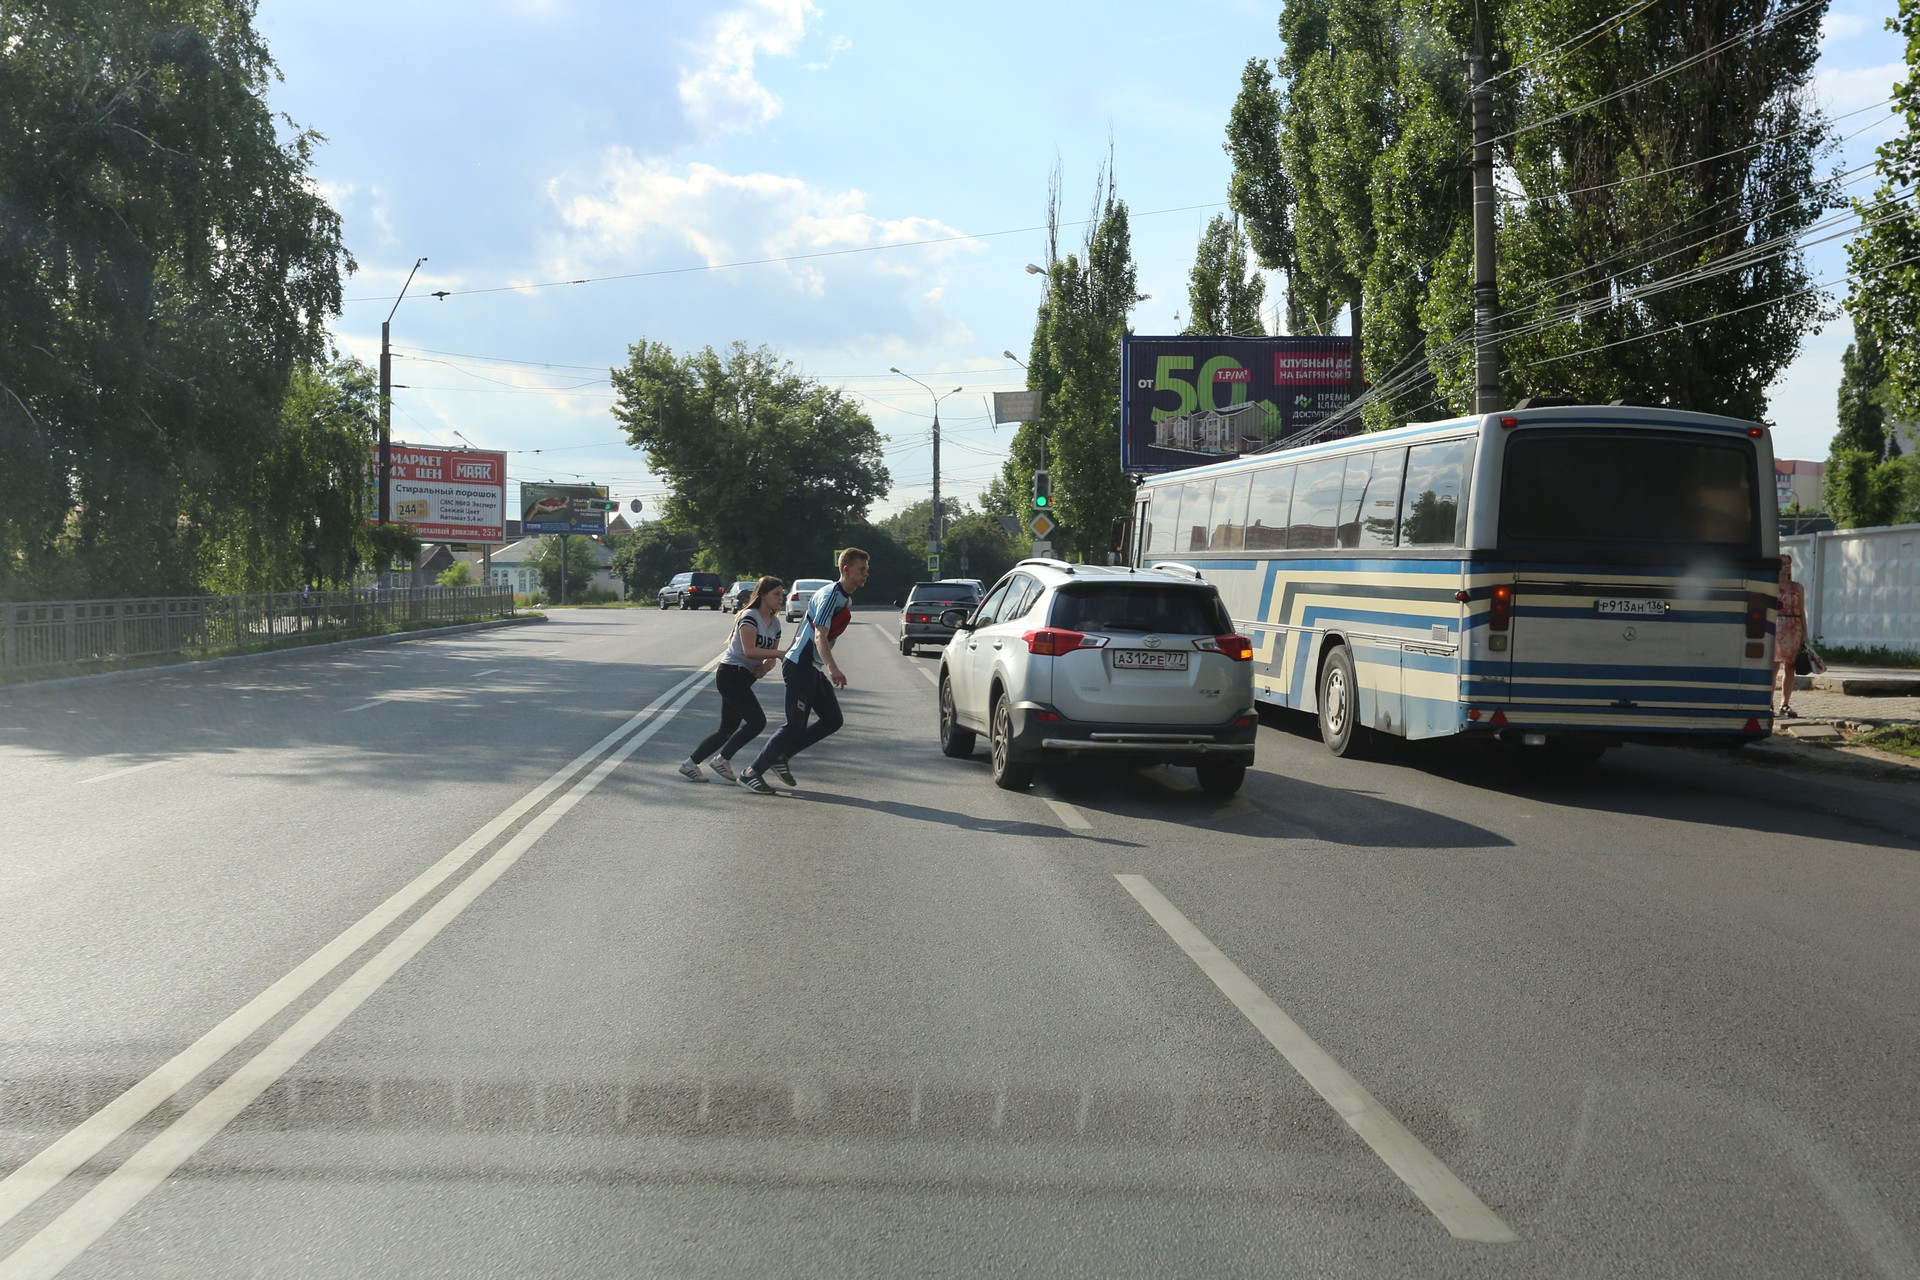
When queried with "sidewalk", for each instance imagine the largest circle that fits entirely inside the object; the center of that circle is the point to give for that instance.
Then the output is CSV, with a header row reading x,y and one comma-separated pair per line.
x,y
1832,708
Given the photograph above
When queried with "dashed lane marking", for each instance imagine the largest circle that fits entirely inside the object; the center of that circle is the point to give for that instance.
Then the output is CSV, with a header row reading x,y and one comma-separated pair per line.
x,y
1460,1211
121,773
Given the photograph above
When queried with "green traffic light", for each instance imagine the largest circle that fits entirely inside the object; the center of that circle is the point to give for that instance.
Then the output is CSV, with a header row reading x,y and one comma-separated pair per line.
x,y
1039,499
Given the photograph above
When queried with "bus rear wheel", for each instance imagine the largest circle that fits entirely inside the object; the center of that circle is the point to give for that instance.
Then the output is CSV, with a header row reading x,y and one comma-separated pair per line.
x,y
1340,726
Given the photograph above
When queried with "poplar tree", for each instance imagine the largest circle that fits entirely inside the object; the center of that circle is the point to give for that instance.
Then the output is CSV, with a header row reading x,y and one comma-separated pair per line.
x,y
1885,257
1075,364
1222,296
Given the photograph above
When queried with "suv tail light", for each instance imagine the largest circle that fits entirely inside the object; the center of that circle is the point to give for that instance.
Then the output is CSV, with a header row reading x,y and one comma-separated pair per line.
x,y
1500,616
1051,642
1757,615
1238,648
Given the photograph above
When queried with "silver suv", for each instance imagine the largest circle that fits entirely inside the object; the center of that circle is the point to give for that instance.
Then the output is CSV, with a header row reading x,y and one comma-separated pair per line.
x,y
1065,661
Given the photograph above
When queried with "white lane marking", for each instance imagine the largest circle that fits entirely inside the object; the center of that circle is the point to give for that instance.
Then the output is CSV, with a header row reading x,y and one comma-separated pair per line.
x,y
1067,814
67,1236
928,672
363,706
490,671
121,773
46,1170
1460,1211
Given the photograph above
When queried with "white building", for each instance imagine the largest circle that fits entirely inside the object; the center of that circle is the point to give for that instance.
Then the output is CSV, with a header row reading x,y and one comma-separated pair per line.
x,y
514,568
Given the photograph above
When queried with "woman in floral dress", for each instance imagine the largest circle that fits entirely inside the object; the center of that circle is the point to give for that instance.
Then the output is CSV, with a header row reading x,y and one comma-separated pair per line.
x,y
1789,633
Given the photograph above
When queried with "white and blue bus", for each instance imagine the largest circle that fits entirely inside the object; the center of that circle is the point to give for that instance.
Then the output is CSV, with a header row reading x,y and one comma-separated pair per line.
x,y
1565,577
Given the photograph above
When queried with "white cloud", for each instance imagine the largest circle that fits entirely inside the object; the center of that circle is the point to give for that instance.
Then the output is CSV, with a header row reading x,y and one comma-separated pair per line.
x,y
1841,26
1846,88
809,244
840,45
719,91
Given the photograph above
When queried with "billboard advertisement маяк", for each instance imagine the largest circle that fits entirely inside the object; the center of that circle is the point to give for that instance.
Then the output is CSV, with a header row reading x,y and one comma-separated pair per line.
x,y
562,508
447,495
1189,401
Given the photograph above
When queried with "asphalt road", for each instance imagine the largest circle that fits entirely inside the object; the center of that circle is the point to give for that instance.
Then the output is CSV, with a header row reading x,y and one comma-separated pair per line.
x,y
423,961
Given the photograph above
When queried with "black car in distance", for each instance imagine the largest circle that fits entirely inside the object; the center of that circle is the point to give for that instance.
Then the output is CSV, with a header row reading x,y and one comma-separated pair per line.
x,y
692,590
737,596
920,622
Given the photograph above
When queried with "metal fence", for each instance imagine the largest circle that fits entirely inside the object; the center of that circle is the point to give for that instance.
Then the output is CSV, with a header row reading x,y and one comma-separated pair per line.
x,y
48,635
1863,585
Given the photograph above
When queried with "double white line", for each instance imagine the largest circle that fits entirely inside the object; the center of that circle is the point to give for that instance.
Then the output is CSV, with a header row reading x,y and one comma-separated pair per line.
x,y
63,1239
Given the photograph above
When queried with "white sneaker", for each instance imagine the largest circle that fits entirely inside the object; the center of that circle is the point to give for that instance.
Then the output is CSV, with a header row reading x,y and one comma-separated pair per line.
x,y
691,772
721,766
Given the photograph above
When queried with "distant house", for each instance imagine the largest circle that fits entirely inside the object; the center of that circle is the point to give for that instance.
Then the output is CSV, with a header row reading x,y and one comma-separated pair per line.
x,y
514,568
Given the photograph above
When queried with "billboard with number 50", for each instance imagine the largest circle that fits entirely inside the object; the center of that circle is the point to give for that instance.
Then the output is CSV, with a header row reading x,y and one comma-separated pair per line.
x,y
1189,401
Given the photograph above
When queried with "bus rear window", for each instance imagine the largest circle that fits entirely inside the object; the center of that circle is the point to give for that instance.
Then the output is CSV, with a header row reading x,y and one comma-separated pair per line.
x,y
1628,488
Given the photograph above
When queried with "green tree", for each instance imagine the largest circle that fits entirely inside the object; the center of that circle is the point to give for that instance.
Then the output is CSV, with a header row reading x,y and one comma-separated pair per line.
x,y
651,554
1222,296
580,565
1884,258
1862,411
1651,253
1263,196
166,263
304,518
1348,173
771,467
990,549
458,574
1074,364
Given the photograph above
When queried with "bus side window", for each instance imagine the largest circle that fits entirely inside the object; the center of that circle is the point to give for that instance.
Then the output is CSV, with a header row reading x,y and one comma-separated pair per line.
x,y
1196,508
1375,507
1269,509
1166,519
1432,515
1230,512
1316,504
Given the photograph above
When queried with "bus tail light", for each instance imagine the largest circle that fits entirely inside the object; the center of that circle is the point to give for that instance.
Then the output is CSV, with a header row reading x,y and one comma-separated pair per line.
x,y
1500,616
1238,648
1051,642
1757,614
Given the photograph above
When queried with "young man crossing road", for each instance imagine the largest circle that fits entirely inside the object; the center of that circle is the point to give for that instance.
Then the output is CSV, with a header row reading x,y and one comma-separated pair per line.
x,y
811,674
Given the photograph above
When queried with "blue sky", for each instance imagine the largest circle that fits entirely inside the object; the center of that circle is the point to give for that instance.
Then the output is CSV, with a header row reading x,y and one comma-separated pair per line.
x,y
521,142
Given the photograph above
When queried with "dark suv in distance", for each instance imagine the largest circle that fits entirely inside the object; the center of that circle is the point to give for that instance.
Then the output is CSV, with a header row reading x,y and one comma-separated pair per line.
x,y
920,614
692,591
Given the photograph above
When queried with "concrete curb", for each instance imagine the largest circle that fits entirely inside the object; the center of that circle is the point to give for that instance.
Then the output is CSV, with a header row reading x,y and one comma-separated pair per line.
x,y
294,651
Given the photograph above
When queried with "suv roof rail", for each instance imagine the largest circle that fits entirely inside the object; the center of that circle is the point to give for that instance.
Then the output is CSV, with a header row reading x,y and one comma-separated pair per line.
x,y
1166,565
1050,562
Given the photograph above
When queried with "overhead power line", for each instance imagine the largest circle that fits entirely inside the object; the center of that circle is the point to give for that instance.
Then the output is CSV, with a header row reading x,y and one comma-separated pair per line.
x,y
790,257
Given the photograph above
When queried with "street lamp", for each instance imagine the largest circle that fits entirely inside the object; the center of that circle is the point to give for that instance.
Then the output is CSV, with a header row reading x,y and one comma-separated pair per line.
x,y
1035,271
939,513
386,395
1016,359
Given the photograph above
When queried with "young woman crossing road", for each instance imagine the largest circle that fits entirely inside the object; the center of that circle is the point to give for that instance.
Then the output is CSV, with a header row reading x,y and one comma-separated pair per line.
x,y
752,649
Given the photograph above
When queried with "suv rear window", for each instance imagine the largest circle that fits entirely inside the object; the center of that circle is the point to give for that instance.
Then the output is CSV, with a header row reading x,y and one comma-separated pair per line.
x,y
943,591
1139,606
706,579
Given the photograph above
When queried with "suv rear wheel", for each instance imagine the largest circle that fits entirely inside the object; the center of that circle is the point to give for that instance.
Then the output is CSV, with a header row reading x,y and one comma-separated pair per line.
x,y
1008,773
1340,725
956,741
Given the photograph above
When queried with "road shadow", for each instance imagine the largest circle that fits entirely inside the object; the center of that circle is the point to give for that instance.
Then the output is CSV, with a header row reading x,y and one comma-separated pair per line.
x,y
1706,786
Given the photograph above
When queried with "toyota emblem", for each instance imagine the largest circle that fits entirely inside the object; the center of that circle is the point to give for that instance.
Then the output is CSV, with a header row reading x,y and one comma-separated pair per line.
x,y
1152,642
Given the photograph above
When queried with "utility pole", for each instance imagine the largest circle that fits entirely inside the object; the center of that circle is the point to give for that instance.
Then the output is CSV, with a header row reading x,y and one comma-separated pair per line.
x,y
1486,291
939,523
386,397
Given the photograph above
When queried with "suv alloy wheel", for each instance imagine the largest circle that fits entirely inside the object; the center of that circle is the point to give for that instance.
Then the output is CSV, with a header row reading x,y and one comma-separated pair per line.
x,y
956,742
1008,774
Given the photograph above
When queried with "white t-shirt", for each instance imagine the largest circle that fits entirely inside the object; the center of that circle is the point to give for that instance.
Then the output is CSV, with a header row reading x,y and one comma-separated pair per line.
x,y
766,642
